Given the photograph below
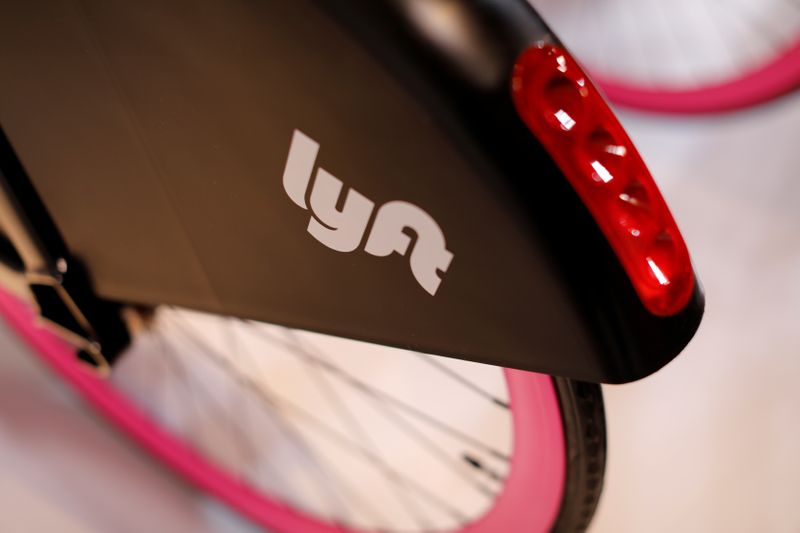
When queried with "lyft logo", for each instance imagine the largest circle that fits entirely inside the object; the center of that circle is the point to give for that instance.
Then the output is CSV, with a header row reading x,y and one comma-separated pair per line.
x,y
343,230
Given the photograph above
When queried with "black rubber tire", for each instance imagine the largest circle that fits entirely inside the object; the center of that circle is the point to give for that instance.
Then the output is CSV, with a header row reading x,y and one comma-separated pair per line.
x,y
585,437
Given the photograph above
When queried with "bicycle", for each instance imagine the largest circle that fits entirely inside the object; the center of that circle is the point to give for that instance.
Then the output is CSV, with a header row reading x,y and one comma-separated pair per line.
x,y
241,175
685,57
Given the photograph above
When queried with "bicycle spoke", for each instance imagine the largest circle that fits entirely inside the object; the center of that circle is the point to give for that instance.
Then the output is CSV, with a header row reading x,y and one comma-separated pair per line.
x,y
231,418
400,404
356,427
281,404
425,442
462,380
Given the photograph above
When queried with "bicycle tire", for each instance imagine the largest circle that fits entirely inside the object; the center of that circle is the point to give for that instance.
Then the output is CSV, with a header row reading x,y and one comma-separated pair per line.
x,y
689,57
575,466
779,76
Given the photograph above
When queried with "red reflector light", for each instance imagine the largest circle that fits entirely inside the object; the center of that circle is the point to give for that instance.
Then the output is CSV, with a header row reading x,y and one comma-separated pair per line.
x,y
571,119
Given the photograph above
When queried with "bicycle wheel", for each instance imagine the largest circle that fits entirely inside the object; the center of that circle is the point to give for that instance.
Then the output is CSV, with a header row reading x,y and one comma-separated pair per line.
x,y
687,56
325,434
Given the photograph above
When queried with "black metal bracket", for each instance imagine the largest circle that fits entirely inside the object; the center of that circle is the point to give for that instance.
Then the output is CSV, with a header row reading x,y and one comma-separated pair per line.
x,y
33,247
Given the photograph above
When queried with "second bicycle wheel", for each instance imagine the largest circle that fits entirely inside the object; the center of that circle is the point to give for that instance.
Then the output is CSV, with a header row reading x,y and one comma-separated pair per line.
x,y
685,56
305,432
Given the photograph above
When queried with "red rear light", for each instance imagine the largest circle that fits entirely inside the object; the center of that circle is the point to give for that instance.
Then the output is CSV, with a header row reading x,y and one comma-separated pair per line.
x,y
563,109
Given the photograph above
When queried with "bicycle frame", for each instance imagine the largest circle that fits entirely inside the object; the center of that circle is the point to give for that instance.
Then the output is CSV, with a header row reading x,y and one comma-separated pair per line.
x,y
189,158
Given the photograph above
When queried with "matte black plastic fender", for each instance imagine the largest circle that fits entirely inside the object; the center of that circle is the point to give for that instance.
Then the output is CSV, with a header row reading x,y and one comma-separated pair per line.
x,y
158,133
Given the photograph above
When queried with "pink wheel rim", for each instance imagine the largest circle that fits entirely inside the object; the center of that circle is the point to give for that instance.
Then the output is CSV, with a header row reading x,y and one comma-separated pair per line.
x,y
764,83
530,499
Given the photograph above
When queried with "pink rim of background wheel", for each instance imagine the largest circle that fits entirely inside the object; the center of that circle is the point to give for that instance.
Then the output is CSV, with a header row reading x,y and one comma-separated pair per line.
x,y
769,81
529,501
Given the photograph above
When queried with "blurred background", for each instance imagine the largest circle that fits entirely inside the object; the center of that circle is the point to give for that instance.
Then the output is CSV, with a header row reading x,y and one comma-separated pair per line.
x,y
710,443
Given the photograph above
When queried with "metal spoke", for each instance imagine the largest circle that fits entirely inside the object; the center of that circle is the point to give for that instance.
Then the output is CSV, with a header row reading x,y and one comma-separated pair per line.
x,y
357,428
400,404
398,490
281,422
399,422
279,404
181,373
480,391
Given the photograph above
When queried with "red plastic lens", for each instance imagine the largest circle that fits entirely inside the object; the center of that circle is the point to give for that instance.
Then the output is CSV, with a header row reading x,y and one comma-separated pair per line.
x,y
571,119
